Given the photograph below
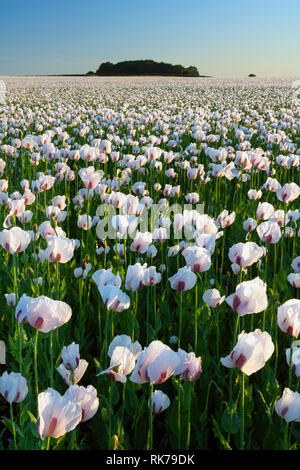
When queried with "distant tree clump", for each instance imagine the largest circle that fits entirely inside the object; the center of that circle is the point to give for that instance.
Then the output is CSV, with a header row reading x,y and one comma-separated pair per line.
x,y
146,67
252,75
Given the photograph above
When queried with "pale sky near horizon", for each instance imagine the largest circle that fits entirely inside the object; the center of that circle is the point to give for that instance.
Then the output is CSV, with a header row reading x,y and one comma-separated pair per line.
x,y
228,38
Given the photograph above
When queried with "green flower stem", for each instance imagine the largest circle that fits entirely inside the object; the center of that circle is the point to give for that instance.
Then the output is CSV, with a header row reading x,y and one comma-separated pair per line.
x,y
57,279
236,329
218,333
283,234
150,430
188,432
233,345
180,320
13,425
123,401
110,413
162,266
290,364
20,332
196,318
74,440
286,436
15,262
179,417
147,315
35,363
242,434
112,324
106,329
80,300
88,213
125,254
51,358
100,327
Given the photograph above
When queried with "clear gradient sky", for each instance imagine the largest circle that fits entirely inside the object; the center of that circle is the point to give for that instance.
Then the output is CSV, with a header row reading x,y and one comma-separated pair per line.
x,y
222,38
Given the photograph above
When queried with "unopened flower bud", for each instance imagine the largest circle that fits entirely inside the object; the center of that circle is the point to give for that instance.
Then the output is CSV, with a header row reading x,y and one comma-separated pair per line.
x,y
70,356
104,415
113,442
84,264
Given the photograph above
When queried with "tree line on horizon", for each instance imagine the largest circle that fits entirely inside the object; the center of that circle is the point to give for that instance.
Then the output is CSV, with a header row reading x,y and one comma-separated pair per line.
x,y
145,67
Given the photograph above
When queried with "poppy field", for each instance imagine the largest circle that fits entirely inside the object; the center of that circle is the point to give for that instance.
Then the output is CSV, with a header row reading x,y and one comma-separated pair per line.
x,y
150,264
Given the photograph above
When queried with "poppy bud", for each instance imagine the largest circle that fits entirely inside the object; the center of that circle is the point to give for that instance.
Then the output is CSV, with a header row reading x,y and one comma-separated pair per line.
x,y
104,415
70,356
84,264
113,442
11,299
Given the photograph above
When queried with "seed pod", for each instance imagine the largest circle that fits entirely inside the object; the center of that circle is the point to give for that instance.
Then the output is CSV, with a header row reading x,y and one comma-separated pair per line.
x,y
113,442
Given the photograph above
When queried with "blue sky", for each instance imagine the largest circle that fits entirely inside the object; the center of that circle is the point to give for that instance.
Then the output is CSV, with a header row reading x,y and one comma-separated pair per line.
x,y
222,38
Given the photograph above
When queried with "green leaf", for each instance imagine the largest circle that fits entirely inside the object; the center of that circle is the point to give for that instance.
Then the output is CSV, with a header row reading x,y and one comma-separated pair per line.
x,y
59,443
158,324
219,435
115,396
203,417
230,421
32,417
9,424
